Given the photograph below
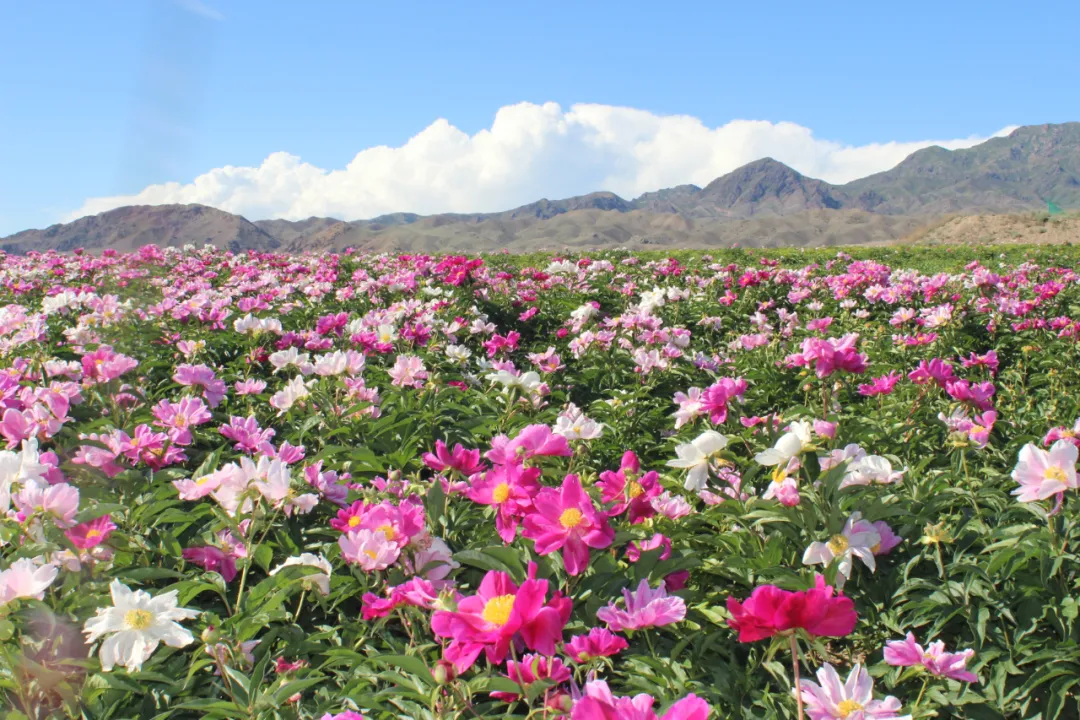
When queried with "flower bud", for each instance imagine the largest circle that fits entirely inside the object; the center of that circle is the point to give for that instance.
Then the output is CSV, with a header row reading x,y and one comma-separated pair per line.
x,y
444,672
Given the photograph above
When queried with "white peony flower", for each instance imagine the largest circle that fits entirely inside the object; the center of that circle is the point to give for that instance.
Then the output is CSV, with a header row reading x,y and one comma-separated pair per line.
x,y
856,540
791,444
696,455
138,623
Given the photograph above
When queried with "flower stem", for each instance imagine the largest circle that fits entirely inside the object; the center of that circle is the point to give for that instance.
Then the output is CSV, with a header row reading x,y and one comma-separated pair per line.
x,y
795,668
925,682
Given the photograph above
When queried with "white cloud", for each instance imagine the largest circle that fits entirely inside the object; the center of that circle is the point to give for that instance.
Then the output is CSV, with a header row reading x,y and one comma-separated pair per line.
x,y
529,152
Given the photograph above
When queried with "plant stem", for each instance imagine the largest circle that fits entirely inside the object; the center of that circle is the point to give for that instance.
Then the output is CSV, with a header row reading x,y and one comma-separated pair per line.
x,y
925,682
795,668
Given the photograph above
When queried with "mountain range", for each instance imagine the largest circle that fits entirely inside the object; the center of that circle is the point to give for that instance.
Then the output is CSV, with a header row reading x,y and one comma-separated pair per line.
x,y
763,204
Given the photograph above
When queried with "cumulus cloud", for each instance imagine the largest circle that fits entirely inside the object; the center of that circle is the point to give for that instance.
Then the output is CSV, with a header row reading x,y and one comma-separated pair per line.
x,y
529,152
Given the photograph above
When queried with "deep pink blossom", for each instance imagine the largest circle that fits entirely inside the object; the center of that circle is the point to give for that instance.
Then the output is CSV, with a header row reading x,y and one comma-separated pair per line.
x,y
628,489
499,612
567,520
90,534
598,642
770,610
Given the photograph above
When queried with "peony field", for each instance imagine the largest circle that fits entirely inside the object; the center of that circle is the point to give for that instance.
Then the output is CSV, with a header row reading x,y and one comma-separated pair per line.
x,y
747,484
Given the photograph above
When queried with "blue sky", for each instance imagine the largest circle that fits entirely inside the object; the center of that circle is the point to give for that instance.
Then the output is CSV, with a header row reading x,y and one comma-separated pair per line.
x,y
102,99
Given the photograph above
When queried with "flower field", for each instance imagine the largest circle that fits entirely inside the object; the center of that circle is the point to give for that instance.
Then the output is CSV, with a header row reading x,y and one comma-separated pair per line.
x,y
767,484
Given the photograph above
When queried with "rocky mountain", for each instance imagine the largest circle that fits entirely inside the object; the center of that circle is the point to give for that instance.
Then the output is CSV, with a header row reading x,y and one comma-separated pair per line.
x,y
128,228
763,203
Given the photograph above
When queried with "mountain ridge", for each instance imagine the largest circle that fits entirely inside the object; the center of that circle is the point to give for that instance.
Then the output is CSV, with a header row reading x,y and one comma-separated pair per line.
x,y
1020,171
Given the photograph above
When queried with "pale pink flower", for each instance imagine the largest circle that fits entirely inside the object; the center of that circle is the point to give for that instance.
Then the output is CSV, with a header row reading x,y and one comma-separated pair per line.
x,y
25,579
831,699
908,653
645,608
370,549
1043,474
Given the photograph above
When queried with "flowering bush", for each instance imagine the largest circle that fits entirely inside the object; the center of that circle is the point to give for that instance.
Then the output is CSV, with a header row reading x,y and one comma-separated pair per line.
x,y
243,485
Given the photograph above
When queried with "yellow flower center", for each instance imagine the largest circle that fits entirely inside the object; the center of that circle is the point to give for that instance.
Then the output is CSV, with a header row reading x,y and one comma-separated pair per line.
x,y
779,475
371,554
635,489
497,610
138,619
1054,473
570,518
876,549
91,534
203,480
354,521
838,544
847,707
500,493
388,531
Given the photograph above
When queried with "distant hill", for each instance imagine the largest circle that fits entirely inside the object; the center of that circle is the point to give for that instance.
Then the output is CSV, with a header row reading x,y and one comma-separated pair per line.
x,y
764,203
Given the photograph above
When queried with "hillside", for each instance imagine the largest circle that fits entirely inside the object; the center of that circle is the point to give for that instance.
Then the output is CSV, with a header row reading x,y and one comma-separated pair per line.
x,y
763,203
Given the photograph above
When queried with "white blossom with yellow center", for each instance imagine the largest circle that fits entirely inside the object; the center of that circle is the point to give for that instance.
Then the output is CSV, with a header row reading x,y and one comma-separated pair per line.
x,y
136,624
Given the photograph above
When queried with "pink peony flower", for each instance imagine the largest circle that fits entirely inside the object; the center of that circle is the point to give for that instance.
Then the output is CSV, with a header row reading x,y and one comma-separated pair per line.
x,y
628,489
832,699
464,461
408,371
498,613
370,549
645,608
635,548
598,703
104,364
532,441
567,520
59,503
510,489
25,579
770,610
880,386
214,390
530,669
212,559
1043,474
417,592
908,653
599,642
90,534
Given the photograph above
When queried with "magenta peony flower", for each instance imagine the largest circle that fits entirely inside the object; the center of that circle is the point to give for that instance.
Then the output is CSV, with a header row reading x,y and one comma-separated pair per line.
x,y
214,390
212,559
599,642
770,610
530,669
627,489
498,613
90,534
510,489
464,461
598,703
567,520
